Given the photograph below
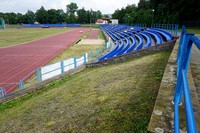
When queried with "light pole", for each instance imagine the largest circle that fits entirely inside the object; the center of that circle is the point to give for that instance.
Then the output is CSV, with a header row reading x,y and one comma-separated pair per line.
x,y
128,20
90,18
152,16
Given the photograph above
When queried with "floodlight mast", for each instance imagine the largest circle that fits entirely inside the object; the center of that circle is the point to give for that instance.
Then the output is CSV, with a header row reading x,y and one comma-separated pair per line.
x,y
152,16
90,18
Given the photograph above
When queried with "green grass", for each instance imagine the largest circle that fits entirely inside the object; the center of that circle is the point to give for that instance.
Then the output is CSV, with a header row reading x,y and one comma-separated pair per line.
x,y
101,35
15,36
190,30
75,50
90,25
112,98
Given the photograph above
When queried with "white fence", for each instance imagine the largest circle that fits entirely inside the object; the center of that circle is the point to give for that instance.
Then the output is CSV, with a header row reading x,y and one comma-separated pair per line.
x,y
58,68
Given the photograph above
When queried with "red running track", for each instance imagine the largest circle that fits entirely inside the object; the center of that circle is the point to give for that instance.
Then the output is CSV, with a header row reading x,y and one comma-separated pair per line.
x,y
18,61
94,34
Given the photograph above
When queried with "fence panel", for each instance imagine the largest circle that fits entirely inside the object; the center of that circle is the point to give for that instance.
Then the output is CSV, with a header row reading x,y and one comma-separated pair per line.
x,y
50,71
68,64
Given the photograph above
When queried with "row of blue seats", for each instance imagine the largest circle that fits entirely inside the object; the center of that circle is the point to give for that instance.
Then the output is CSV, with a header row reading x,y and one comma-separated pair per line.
x,y
129,39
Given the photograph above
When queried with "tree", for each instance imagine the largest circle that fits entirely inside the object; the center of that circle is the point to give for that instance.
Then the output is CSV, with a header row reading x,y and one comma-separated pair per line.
x,y
29,17
42,15
53,16
72,18
82,15
71,8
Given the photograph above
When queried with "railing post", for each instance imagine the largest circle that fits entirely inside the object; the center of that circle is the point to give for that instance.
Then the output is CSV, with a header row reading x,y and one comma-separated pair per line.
x,y
39,76
97,53
2,92
62,66
167,27
190,120
171,25
85,58
21,84
91,54
105,47
181,43
176,29
101,51
183,63
75,63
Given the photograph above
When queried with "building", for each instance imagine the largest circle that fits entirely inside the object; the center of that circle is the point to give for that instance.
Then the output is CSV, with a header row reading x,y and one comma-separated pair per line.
x,y
106,21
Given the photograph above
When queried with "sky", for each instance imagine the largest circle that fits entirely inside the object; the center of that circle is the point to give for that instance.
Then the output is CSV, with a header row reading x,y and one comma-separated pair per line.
x,y
22,6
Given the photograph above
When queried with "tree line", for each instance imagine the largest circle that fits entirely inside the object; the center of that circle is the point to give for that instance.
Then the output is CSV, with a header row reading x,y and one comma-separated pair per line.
x,y
53,16
160,11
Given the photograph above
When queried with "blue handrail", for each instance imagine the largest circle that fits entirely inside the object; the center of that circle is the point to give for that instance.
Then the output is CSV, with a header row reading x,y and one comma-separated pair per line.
x,y
182,87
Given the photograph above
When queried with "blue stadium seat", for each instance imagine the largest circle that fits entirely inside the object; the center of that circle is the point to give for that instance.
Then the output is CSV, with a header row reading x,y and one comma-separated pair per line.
x,y
132,46
116,51
110,53
140,42
147,38
158,38
168,36
125,47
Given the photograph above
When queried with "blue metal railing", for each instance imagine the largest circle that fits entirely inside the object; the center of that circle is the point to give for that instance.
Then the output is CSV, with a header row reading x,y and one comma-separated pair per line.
x,y
182,87
173,28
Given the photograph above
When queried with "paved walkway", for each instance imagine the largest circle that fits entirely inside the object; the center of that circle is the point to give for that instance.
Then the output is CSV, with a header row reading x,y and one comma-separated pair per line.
x,y
195,67
18,61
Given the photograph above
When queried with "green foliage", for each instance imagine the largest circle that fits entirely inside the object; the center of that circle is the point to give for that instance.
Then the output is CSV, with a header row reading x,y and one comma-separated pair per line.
x,y
160,11
53,16
14,36
82,13
72,8
29,17
42,16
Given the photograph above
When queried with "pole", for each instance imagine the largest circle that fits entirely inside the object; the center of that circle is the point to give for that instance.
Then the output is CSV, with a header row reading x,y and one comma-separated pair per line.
x,y
152,16
90,18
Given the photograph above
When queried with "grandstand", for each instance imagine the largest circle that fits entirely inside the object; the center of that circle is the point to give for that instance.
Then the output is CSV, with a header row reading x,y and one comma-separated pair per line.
x,y
128,39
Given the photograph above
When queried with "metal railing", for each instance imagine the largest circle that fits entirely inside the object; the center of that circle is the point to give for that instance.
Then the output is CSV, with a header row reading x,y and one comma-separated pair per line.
x,y
182,87
173,28
36,76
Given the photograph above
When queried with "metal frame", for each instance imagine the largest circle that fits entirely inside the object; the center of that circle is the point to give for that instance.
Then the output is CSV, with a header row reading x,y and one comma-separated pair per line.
x,y
182,87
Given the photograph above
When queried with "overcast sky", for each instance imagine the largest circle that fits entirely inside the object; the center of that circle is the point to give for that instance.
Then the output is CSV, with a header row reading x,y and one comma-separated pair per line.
x,y
22,6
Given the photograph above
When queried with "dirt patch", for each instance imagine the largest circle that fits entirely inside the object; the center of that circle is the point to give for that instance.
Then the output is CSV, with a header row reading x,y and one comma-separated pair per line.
x,y
91,41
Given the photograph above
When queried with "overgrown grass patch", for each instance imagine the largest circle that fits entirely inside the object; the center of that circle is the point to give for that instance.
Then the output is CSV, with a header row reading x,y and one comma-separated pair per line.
x,y
112,98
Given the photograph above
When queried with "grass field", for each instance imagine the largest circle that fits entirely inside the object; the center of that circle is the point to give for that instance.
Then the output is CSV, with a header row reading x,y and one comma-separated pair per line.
x,y
112,98
15,36
195,31
90,25
78,50
75,50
